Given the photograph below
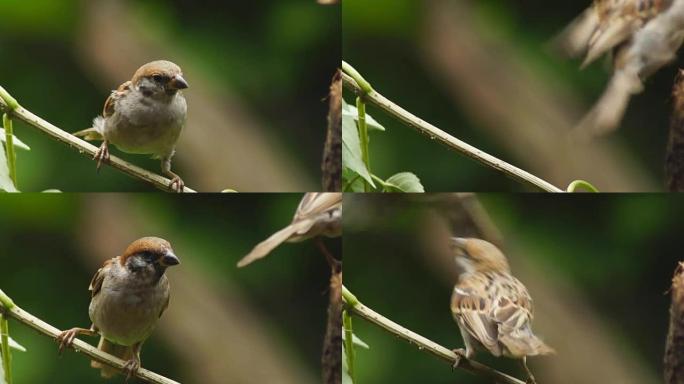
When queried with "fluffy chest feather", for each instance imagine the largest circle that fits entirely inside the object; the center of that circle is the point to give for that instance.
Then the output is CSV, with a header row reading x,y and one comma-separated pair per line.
x,y
145,125
128,305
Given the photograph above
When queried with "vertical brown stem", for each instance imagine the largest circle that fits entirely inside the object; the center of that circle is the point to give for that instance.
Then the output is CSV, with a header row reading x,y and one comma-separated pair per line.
x,y
332,152
674,157
332,343
674,347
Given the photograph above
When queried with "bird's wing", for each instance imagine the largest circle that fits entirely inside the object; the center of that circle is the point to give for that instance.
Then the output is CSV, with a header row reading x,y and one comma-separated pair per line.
x,y
471,307
618,20
262,249
573,41
98,278
108,109
315,203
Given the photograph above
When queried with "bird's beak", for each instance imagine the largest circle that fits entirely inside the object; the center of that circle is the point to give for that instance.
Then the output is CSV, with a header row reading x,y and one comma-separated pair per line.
x,y
169,259
178,82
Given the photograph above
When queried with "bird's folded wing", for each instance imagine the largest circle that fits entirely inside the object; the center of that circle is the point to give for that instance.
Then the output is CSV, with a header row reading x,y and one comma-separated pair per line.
x,y
470,306
262,249
98,278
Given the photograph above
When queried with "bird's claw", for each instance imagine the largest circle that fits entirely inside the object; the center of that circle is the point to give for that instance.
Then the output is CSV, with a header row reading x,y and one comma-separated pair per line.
x,y
102,155
460,354
176,184
66,338
131,367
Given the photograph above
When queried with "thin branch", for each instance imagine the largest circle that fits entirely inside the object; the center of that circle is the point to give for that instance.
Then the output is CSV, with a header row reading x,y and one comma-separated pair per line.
x,y
423,343
12,108
10,309
453,143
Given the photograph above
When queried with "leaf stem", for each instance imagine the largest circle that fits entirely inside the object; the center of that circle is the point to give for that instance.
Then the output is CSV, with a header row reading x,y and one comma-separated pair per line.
x,y
5,348
354,74
348,343
363,137
9,148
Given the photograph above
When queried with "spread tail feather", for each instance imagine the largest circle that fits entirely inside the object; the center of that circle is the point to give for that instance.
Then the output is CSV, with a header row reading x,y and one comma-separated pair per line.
x,y
120,351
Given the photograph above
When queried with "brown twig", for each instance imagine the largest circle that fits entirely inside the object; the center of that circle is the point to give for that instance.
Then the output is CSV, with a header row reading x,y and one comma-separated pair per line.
x,y
332,153
12,310
332,344
674,155
674,359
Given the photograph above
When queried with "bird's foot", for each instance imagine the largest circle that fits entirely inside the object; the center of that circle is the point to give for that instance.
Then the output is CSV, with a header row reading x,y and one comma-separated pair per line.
x,y
131,367
66,338
460,354
102,155
176,184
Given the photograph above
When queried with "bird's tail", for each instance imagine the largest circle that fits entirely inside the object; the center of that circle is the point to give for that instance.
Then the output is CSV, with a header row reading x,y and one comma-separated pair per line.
x,y
120,351
94,132
526,344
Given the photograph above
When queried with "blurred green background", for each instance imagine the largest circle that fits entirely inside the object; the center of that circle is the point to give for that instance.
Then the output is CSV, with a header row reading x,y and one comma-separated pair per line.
x,y
258,73
484,72
263,323
598,269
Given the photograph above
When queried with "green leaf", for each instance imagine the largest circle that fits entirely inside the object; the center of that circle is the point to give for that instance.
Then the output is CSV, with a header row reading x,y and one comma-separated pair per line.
x,y
6,183
13,344
351,150
17,143
351,181
350,111
581,184
404,182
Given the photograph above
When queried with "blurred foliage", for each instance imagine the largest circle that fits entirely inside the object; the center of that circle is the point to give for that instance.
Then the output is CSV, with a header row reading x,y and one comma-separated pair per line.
x,y
278,56
41,270
383,43
618,251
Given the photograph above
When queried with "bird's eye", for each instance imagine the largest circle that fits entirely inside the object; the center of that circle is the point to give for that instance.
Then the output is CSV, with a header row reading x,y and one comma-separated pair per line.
x,y
158,78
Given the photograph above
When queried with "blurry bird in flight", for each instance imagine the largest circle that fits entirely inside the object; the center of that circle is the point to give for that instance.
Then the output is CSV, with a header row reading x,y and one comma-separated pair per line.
x,y
641,35
492,308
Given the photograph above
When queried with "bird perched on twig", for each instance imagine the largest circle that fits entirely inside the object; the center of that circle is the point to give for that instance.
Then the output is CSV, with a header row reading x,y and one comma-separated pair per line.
x,y
492,308
129,294
318,214
642,35
145,115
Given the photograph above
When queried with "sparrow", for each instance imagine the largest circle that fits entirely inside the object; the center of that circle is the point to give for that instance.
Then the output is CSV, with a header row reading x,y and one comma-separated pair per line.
x,y
128,296
144,115
492,308
318,214
642,35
